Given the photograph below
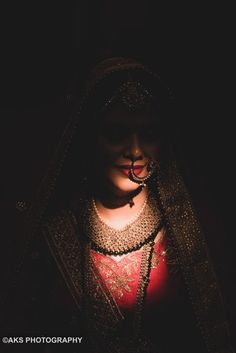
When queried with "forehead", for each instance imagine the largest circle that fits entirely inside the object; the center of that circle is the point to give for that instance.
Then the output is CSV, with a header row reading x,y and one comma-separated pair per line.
x,y
119,114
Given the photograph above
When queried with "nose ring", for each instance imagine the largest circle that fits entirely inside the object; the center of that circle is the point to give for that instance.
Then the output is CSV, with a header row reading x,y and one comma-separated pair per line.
x,y
142,180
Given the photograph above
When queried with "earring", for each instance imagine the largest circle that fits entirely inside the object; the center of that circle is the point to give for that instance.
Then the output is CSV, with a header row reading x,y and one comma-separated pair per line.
x,y
22,206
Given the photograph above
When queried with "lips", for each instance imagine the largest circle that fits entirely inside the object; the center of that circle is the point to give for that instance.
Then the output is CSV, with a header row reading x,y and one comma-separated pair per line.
x,y
124,169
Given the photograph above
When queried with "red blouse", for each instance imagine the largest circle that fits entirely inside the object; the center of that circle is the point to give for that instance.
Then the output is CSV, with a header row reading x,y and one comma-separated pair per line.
x,y
121,276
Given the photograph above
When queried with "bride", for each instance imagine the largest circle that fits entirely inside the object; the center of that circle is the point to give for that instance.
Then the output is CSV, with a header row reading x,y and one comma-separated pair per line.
x,y
122,259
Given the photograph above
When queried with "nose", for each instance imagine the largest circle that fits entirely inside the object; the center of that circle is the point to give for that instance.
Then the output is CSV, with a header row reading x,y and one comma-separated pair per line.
x,y
133,150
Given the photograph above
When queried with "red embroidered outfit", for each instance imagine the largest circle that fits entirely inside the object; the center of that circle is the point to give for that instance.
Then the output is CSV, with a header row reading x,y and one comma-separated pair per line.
x,y
121,276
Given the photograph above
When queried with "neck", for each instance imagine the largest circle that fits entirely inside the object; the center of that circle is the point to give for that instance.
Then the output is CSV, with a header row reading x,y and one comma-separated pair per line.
x,y
112,198
122,214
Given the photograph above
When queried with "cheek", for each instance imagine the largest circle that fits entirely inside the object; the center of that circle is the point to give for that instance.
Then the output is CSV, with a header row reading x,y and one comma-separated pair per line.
x,y
107,153
153,151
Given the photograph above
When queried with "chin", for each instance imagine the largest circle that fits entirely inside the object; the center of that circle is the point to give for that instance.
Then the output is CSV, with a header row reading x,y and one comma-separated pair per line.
x,y
124,185
121,183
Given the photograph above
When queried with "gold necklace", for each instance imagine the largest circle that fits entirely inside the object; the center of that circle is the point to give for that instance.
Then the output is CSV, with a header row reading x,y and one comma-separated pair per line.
x,y
110,241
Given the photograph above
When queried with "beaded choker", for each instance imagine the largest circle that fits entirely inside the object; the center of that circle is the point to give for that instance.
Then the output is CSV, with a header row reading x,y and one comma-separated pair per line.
x,y
110,241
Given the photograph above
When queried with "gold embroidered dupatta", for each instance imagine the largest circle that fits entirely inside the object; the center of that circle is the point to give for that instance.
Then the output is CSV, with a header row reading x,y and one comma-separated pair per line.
x,y
191,251
182,227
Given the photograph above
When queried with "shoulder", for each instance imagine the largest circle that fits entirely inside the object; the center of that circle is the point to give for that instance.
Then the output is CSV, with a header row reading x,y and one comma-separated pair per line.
x,y
59,220
60,227
61,232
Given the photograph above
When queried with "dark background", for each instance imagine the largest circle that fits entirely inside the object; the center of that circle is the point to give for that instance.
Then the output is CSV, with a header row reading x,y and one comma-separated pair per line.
x,y
48,46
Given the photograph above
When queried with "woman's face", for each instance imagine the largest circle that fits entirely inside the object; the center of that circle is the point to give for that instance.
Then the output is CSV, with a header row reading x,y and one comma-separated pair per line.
x,y
123,137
